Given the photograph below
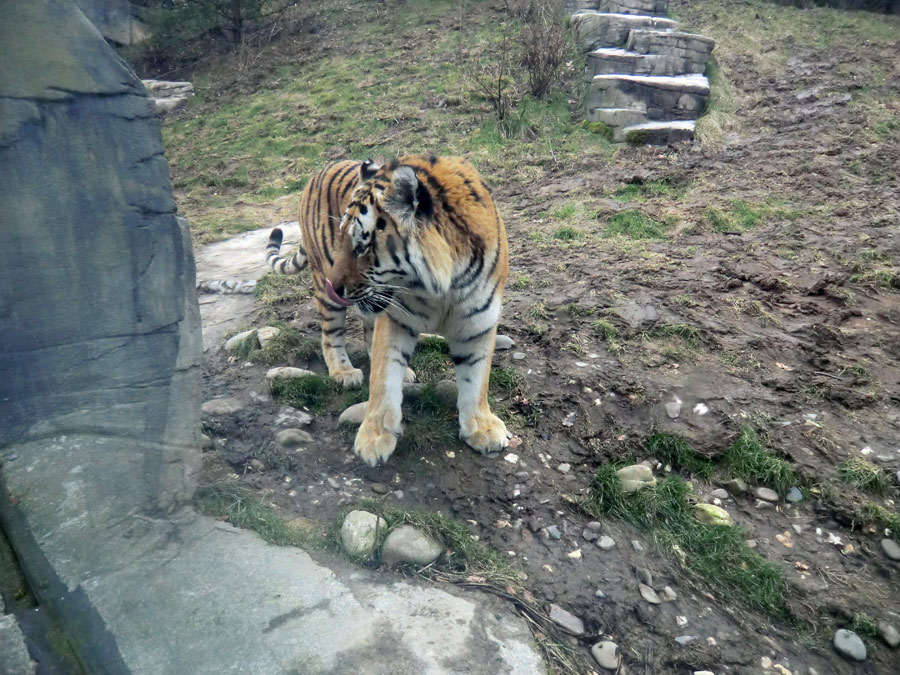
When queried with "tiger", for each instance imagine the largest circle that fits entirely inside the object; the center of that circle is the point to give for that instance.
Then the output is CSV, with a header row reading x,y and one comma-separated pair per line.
x,y
415,245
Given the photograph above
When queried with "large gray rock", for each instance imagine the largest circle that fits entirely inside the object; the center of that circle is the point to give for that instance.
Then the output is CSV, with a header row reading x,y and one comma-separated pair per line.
x,y
594,29
407,545
663,98
642,7
610,60
672,43
117,20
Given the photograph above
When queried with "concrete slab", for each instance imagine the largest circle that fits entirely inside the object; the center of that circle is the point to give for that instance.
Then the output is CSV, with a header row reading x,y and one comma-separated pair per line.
x,y
227,271
189,594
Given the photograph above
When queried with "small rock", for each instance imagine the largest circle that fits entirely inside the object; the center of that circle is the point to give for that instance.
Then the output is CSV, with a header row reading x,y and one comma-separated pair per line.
x,y
763,504
669,595
293,438
288,416
849,644
720,493
712,515
673,409
360,532
766,494
682,621
765,663
398,494
380,488
594,526
891,549
564,468
446,392
554,532
685,639
409,545
206,443
256,465
286,373
643,574
354,414
238,340
333,482
606,654
266,334
605,543
635,477
518,356
703,672
599,594
735,486
590,535
221,406
574,555
897,477
503,342
566,620
751,543
637,546
889,634
794,495
649,594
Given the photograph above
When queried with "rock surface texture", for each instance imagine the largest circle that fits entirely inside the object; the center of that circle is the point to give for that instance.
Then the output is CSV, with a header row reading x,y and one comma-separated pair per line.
x,y
646,76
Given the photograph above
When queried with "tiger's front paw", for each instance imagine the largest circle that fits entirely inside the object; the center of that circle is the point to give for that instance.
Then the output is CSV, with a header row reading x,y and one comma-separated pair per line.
x,y
410,376
349,379
489,435
374,443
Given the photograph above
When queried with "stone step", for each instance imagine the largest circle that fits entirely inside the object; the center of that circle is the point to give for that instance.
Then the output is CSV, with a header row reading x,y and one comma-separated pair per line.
x,y
618,117
663,98
656,133
601,29
646,7
672,43
612,61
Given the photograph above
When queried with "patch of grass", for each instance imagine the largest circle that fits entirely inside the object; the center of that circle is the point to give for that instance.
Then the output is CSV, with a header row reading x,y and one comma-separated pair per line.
x,y
431,360
221,496
564,212
505,381
864,475
641,191
539,311
288,343
316,392
522,282
715,554
719,118
886,519
567,234
685,300
689,334
749,459
635,224
757,309
277,289
738,216
881,278
574,309
674,450
599,128
610,334
864,625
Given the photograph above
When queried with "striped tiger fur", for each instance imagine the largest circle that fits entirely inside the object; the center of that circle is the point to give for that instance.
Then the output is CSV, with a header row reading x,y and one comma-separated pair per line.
x,y
417,246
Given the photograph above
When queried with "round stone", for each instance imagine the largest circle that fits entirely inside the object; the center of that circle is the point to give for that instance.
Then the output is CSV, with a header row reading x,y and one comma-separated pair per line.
x,y
503,342
766,494
720,493
293,438
266,334
407,545
794,495
286,373
889,634
221,406
354,414
649,594
635,477
360,532
606,542
891,549
518,356
236,341
606,654
712,514
446,392
849,644
669,595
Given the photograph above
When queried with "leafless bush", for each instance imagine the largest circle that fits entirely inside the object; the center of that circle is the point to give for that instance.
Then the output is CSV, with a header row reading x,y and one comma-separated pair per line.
x,y
542,41
493,78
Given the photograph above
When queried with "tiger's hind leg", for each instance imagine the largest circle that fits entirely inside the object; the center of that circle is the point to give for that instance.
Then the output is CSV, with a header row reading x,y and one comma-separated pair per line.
x,y
334,347
368,329
478,426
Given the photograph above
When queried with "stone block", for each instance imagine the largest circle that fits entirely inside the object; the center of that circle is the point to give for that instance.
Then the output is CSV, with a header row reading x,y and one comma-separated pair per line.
x,y
572,6
612,61
673,43
639,7
664,98
594,29
656,133
618,117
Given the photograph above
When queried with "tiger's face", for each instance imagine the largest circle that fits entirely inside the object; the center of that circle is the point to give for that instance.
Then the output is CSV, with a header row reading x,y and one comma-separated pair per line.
x,y
379,228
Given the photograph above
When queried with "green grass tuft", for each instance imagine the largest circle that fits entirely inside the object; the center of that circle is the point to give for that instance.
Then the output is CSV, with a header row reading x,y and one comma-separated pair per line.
x,y
567,234
610,334
635,224
505,381
738,217
288,343
316,392
277,289
431,360
716,554
674,450
864,475
749,459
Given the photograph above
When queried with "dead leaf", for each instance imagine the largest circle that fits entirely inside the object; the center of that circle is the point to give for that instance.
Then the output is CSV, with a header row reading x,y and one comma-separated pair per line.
x,y
783,366
515,442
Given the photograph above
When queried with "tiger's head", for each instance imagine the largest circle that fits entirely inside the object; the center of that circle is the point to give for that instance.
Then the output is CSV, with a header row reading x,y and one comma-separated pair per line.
x,y
381,230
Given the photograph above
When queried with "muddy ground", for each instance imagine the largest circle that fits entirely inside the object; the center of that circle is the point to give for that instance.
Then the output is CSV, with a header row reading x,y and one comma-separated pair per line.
x,y
796,332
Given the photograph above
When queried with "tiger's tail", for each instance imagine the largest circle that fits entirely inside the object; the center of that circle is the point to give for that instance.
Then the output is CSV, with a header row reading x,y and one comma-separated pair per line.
x,y
280,264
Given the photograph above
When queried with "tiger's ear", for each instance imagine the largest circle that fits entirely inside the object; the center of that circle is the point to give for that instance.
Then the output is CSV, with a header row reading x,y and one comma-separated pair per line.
x,y
409,199
367,170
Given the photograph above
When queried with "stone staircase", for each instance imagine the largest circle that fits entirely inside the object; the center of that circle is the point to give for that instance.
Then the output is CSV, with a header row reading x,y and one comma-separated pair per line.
x,y
646,77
